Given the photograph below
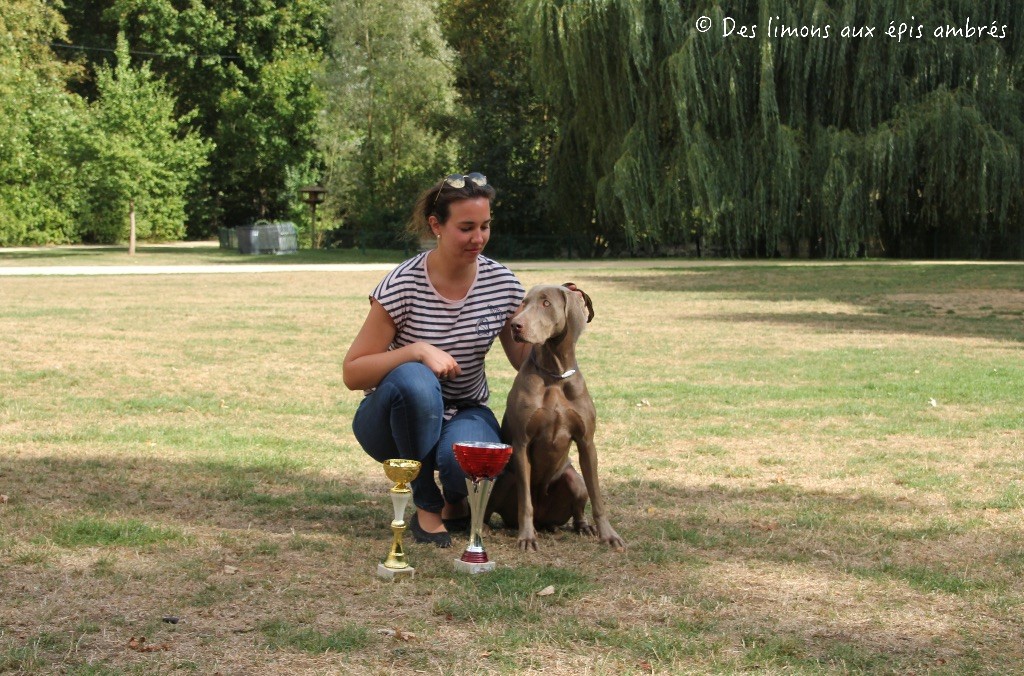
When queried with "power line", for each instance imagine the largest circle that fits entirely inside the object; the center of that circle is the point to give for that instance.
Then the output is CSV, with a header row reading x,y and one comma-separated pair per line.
x,y
61,45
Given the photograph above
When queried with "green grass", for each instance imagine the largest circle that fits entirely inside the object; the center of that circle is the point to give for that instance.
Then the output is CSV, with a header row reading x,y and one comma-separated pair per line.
x,y
512,595
817,468
95,532
280,635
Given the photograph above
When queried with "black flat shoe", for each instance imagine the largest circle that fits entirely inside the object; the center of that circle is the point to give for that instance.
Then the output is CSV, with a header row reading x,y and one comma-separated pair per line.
x,y
457,525
442,540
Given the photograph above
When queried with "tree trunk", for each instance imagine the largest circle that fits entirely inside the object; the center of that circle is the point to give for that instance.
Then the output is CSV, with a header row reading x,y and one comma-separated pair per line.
x,y
131,229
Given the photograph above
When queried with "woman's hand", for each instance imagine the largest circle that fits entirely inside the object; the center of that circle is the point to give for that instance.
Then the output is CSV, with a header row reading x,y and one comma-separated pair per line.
x,y
442,364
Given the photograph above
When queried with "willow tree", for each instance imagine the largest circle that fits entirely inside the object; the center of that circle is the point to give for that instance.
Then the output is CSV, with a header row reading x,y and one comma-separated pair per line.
x,y
790,125
616,167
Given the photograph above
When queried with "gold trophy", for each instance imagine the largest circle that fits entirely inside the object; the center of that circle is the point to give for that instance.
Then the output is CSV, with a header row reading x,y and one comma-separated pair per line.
x,y
401,472
482,462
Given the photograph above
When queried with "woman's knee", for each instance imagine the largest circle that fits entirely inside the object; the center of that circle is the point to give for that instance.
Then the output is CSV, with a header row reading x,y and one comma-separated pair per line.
x,y
416,384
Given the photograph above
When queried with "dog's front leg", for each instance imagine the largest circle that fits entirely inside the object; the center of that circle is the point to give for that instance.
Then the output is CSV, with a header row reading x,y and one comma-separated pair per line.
x,y
521,458
588,466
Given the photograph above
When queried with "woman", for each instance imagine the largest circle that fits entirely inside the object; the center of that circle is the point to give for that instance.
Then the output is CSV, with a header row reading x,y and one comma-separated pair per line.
x,y
420,352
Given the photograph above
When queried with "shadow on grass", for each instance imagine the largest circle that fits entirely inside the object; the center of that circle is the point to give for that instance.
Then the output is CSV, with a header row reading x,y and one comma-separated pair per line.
x,y
777,523
891,320
195,255
73,256
860,534
842,536
982,301
218,494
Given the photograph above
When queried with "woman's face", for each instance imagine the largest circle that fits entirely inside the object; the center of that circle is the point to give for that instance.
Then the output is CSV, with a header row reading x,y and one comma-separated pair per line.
x,y
464,235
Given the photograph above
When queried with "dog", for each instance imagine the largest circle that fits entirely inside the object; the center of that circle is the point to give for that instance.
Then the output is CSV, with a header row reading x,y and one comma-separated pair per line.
x,y
548,409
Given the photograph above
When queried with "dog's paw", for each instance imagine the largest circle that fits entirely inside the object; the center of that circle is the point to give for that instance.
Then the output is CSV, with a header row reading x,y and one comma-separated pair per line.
x,y
615,542
584,527
611,538
527,541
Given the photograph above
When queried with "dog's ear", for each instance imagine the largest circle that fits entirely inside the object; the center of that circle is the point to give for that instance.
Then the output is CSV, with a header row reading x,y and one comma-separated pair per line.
x,y
586,299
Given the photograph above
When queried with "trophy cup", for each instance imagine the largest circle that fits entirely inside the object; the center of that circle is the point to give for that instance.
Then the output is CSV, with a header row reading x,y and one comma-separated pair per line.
x,y
481,461
401,472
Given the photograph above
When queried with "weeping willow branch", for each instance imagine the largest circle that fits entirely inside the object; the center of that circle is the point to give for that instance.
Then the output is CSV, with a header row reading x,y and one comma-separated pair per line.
x,y
816,144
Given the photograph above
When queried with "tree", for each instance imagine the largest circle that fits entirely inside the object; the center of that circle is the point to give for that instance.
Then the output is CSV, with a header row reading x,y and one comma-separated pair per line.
x,y
504,128
810,142
41,122
389,91
913,144
139,157
615,170
247,68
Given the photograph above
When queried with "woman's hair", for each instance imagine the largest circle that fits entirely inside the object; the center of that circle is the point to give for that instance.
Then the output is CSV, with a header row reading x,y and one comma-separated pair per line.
x,y
437,200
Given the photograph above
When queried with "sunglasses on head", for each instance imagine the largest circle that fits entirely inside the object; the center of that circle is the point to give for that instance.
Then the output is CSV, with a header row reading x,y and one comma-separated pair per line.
x,y
459,181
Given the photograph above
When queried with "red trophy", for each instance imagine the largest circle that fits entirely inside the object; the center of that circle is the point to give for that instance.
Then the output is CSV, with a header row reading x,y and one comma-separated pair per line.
x,y
482,462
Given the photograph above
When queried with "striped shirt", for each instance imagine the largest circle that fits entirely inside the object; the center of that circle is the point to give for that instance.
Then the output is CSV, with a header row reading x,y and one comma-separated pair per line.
x,y
464,328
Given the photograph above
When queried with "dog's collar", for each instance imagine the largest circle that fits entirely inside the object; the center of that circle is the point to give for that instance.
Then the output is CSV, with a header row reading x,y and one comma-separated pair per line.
x,y
556,376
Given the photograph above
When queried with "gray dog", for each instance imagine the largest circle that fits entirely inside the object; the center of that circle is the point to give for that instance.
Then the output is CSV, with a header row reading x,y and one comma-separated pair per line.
x,y
548,408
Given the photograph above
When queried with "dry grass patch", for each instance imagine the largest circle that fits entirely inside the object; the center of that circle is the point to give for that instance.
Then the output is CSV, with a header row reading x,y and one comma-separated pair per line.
x,y
794,503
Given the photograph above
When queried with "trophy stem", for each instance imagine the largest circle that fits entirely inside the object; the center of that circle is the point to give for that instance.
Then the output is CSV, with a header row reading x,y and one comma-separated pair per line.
x,y
474,558
401,472
482,462
396,557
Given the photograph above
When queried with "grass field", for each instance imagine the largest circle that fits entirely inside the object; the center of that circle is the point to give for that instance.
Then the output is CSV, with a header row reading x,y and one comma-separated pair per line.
x,y
817,468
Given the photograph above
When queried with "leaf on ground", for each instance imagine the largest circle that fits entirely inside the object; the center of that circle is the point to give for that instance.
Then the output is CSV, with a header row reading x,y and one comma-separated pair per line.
x,y
229,570
397,633
766,525
139,645
546,591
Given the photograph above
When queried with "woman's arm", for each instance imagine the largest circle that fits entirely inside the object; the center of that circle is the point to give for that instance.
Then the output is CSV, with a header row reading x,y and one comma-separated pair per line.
x,y
368,359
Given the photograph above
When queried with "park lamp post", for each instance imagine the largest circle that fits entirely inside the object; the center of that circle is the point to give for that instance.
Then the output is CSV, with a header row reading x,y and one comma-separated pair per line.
x,y
312,195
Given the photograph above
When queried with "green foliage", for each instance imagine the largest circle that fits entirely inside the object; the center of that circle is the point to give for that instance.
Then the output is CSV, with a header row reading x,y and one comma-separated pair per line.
x,y
247,70
137,152
615,166
271,125
389,87
606,125
40,123
503,126
758,146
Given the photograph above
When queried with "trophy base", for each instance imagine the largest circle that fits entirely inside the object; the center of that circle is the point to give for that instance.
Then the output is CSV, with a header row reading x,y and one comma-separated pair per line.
x,y
473,568
395,573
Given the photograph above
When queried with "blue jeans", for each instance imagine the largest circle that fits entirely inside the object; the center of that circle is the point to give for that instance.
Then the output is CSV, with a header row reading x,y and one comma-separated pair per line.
x,y
404,418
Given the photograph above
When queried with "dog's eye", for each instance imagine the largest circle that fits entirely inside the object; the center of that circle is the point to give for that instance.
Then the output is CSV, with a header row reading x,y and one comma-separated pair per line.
x,y
547,303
